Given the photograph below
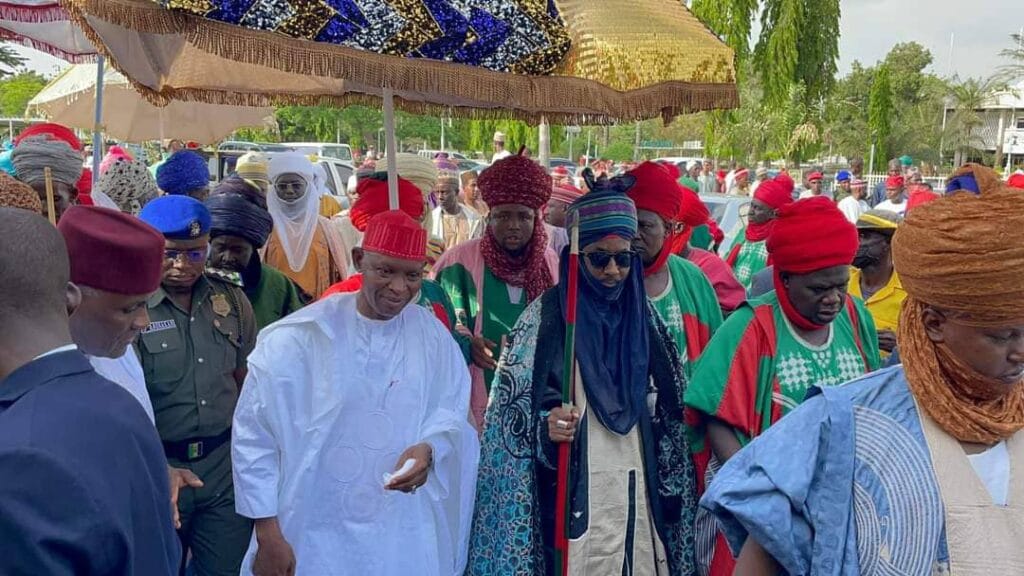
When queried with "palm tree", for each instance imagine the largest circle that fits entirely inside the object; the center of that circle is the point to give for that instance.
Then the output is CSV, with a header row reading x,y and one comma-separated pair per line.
x,y
9,59
1014,70
969,96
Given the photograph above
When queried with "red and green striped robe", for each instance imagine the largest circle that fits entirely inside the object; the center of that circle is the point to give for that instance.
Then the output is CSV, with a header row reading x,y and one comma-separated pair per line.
x,y
756,369
747,258
689,308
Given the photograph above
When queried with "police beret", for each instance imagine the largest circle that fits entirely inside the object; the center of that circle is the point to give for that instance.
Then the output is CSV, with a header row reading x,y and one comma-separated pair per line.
x,y
177,217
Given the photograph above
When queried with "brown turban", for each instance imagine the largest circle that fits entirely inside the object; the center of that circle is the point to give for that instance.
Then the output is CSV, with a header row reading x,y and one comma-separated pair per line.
x,y
962,254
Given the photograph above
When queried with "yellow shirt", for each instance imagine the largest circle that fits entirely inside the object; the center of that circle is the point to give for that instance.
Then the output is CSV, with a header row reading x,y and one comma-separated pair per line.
x,y
883,305
329,207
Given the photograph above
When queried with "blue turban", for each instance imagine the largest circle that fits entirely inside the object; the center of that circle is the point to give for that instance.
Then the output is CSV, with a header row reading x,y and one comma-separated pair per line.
x,y
184,172
236,215
177,217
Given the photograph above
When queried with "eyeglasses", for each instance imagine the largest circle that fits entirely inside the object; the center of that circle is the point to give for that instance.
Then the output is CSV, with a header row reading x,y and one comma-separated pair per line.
x,y
194,256
599,259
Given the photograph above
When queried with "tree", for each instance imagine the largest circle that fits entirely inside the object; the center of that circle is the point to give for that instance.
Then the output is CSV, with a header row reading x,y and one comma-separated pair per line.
x,y
9,59
880,112
968,98
1014,70
799,41
17,90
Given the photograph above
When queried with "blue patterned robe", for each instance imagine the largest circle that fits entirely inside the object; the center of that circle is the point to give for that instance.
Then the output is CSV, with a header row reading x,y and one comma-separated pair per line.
x,y
513,524
843,485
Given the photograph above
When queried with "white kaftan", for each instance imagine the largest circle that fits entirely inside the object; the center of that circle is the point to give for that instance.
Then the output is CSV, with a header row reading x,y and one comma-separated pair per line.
x,y
330,402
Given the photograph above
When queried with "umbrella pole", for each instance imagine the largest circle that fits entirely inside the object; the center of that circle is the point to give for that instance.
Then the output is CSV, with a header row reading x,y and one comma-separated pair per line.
x,y
563,501
97,141
392,149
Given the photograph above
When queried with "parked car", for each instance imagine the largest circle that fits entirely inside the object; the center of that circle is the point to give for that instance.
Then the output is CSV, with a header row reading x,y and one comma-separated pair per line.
x,y
683,162
433,153
730,212
238,146
338,173
323,150
565,163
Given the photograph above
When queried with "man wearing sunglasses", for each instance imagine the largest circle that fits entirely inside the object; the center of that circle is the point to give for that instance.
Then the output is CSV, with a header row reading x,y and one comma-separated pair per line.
x,y
193,356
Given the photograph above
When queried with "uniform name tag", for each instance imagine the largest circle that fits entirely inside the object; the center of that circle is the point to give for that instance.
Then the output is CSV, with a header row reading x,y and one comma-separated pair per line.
x,y
160,326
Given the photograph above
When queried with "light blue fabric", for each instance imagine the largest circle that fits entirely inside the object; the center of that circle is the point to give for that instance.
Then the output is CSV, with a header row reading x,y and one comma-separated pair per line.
x,y
843,485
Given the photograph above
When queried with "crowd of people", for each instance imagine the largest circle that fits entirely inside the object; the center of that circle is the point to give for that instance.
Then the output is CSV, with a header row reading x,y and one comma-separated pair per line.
x,y
249,379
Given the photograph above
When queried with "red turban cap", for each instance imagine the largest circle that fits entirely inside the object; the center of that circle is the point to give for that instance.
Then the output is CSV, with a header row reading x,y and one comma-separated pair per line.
x,y
112,251
811,235
692,210
1016,181
919,197
515,180
776,192
373,200
655,190
394,233
565,192
894,182
54,131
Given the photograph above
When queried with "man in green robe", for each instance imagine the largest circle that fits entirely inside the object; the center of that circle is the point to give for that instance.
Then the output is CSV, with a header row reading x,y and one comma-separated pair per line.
x,y
749,255
678,289
491,280
239,229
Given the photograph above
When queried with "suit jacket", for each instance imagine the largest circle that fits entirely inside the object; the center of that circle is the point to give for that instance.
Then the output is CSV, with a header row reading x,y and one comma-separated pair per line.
x,y
83,479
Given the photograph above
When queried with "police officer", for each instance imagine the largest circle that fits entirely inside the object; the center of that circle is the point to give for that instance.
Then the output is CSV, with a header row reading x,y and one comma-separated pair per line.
x,y
193,355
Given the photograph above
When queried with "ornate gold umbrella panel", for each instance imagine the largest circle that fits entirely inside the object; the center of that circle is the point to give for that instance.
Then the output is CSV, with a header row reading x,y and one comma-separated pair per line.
x,y
567,60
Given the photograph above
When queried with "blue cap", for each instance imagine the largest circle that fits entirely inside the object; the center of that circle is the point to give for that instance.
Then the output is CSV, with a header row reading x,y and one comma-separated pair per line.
x,y
177,217
184,172
843,176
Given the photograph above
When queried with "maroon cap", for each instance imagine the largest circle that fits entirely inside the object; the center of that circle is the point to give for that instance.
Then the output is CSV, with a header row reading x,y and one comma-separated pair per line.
x,y
112,251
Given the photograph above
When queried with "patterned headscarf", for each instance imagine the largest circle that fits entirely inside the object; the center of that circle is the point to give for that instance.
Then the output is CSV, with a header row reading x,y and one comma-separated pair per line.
x,y
16,194
129,184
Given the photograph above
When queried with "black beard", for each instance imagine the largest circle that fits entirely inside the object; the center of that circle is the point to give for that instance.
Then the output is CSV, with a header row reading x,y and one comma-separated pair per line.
x,y
862,261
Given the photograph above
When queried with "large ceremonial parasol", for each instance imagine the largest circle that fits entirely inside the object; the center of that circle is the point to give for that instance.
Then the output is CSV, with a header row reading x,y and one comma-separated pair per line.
x,y
45,26
69,100
564,61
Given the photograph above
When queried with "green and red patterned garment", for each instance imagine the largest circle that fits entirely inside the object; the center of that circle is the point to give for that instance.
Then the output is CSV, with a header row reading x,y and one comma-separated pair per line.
x,y
755,370
690,310
747,258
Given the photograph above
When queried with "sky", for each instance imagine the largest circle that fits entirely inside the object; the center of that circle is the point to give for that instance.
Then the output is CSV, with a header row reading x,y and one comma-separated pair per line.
x,y
869,28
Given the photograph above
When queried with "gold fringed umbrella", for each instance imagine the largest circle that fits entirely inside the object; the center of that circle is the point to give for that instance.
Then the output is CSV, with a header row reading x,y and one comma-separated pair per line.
x,y
587,62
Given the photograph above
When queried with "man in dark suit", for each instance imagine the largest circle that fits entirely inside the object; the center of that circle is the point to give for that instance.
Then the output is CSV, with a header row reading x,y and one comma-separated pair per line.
x,y
83,479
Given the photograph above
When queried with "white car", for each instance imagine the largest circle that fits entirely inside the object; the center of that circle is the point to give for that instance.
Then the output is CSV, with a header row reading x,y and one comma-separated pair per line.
x,y
323,150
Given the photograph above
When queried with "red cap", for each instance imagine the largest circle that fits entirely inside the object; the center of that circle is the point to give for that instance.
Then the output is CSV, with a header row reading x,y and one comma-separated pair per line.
x,y
373,200
811,235
565,192
776,192
655,190
919,197
112,251
894,182
692,210
84,185
54,131
394,233
1016,181
813,176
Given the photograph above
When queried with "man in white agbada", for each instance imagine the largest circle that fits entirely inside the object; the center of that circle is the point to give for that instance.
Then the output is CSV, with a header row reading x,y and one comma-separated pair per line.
x,y
351,445
304,246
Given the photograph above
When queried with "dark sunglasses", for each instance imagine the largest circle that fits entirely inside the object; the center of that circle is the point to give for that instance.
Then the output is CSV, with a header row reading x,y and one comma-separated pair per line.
x,y
599,259
192,256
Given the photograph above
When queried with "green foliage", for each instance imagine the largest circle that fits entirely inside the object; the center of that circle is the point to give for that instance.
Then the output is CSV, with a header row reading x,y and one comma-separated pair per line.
x,y
10,60
880,105
1014,69
799,42
17,90
968,96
